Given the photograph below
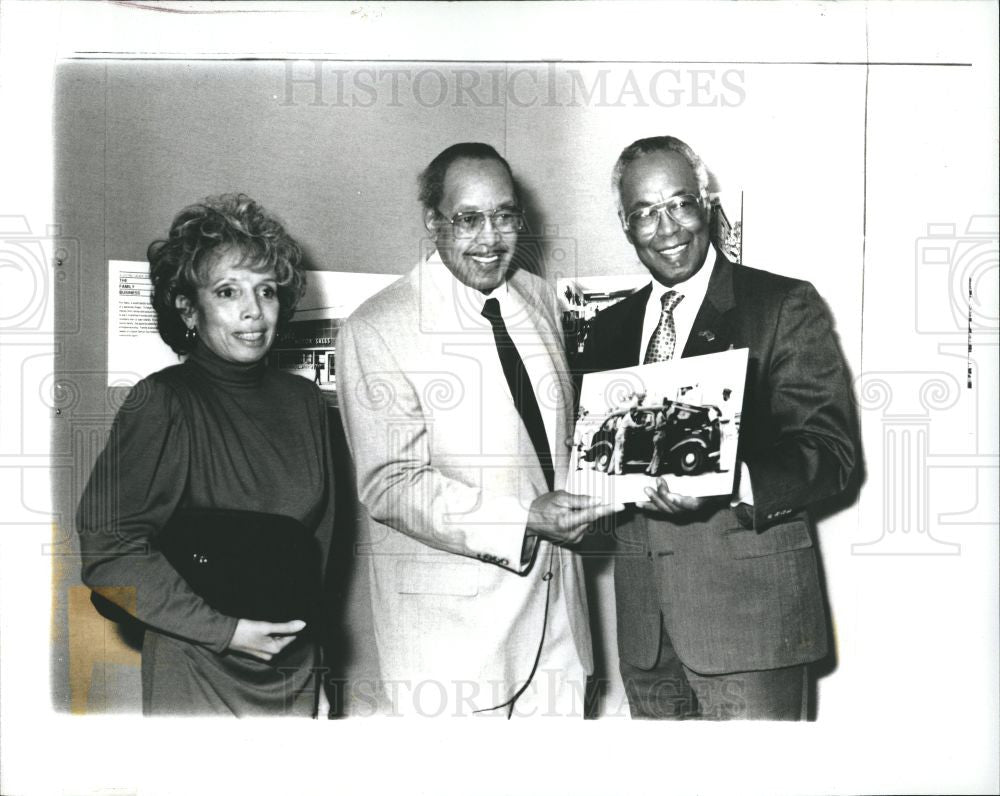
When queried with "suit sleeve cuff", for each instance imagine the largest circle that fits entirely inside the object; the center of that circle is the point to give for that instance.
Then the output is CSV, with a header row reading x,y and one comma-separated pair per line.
x,y
502,539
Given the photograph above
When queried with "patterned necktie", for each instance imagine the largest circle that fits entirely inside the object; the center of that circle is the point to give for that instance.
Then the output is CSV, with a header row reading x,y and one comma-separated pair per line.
x,y
664,337
520,388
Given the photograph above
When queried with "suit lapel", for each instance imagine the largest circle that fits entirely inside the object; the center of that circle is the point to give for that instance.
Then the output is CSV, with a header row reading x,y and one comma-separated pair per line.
x,y
714,327
443,308
450,318
627,336
533,297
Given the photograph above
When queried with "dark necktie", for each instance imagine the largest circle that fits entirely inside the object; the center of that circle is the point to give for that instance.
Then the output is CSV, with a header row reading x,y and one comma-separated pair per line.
x,y
664,337
520,388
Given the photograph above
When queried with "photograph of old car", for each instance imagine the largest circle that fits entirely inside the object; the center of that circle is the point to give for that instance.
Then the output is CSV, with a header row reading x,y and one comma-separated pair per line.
x,y
676,421
675,437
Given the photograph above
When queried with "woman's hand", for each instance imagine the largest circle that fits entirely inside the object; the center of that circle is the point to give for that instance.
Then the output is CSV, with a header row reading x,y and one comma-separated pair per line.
x,y
264,640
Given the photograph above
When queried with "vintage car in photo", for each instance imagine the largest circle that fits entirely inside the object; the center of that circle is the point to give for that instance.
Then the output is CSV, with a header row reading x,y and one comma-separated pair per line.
x,y
678,438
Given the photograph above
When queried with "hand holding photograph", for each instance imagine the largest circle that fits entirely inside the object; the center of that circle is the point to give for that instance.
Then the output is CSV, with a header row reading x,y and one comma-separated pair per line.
x,y
679,420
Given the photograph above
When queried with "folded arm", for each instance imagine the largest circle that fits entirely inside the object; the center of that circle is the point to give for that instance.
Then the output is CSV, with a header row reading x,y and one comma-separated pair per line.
x,y
135,486
802,447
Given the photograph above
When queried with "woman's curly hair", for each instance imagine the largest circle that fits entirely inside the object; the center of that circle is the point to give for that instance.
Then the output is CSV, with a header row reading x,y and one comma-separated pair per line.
x,y
202,232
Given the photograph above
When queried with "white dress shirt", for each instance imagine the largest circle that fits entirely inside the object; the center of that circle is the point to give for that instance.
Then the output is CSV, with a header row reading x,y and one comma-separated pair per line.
x,y
528,343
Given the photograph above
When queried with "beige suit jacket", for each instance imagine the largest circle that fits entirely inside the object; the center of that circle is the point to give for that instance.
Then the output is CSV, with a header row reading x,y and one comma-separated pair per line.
x,y
446,473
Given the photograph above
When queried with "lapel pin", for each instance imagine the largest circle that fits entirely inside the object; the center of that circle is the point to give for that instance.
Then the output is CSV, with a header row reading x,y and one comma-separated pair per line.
x,y
707,335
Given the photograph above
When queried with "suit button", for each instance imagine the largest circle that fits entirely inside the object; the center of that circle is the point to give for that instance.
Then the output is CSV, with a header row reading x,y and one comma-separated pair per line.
x,y
504,561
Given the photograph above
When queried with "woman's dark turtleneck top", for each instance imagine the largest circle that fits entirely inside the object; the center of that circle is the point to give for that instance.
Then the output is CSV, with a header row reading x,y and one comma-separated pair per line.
x,y
207,433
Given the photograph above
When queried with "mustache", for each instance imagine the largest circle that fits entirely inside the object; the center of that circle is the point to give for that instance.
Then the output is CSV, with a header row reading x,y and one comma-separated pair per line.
x,y
485,252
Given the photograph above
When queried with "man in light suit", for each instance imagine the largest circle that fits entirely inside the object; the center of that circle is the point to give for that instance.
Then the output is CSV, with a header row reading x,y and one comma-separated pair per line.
x,y
719,601
457,406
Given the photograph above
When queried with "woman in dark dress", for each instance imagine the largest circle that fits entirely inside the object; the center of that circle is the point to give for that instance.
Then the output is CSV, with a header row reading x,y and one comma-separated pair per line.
x,y
220,431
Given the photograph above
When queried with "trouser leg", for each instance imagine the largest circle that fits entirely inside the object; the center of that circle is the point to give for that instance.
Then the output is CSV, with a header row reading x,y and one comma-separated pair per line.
x,y
670,690
774,694
662,692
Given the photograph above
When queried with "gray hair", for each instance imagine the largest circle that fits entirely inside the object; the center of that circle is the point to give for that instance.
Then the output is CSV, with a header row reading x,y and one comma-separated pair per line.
x,y
659,143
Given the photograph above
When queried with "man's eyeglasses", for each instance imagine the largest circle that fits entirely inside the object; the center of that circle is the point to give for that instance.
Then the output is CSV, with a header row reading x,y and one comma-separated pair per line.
x,y
505,220
684,210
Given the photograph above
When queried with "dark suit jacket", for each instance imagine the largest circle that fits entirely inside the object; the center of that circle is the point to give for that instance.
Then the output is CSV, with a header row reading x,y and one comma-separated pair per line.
x,y
732,598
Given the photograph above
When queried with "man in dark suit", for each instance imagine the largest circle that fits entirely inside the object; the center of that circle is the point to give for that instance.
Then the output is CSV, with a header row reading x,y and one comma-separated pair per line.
x,y
719,602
